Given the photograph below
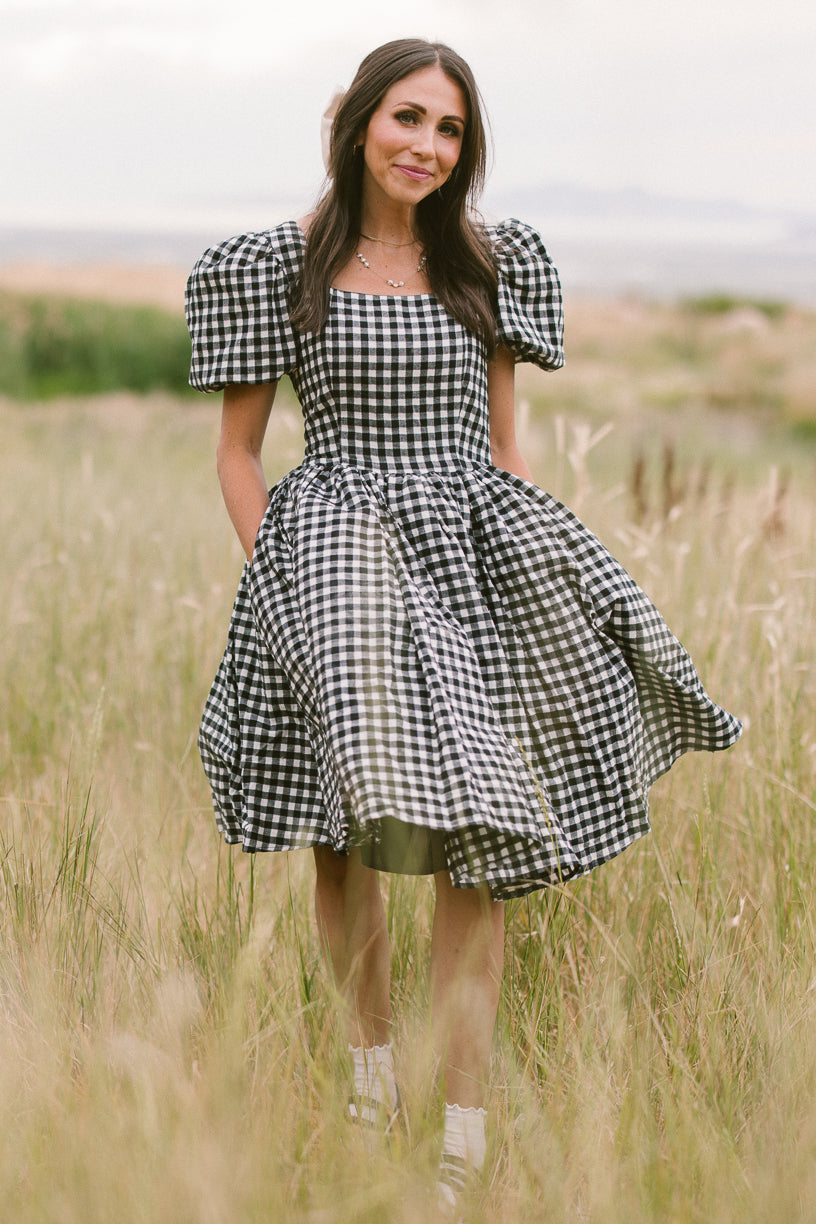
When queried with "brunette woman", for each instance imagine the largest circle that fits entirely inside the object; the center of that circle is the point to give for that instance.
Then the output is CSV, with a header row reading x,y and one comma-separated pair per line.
x,y
432,666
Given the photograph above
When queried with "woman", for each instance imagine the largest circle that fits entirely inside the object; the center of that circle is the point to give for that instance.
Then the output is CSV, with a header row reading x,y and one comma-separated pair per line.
x,y
432,666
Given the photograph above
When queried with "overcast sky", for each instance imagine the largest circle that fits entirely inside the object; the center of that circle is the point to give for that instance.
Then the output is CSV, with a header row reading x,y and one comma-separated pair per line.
x,y
118,112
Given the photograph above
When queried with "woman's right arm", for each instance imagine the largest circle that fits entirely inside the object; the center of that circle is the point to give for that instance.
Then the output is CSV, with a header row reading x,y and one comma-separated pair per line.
x,y
244,418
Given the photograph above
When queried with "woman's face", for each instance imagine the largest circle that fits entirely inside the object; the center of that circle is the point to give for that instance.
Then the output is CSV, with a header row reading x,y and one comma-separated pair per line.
x,y
414,138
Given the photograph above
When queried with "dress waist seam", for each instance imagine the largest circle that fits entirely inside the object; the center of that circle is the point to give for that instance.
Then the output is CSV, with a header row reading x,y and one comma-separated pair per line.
x,y
446,468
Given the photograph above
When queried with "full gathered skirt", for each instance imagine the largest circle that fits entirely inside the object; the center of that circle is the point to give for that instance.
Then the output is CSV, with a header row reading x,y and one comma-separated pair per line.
x,y
452,650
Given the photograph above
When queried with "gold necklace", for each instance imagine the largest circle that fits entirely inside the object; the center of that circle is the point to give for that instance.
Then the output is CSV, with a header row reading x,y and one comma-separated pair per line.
x,y
386,242
394,284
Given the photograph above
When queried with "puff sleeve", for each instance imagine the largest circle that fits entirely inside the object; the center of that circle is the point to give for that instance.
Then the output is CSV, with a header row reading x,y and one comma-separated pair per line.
x,y
530,319
237,314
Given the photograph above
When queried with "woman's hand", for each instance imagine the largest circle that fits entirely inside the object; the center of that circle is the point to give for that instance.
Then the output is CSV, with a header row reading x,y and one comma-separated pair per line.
x,y
501,394
244,418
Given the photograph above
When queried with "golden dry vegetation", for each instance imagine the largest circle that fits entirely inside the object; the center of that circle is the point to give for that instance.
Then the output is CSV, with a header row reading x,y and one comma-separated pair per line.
x,y
167,1047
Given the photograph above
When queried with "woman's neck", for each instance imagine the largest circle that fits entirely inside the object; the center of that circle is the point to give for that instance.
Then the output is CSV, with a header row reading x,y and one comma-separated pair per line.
x,y
390,225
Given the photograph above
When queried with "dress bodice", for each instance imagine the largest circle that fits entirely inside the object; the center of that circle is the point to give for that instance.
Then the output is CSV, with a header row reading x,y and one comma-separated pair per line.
x,y
391,381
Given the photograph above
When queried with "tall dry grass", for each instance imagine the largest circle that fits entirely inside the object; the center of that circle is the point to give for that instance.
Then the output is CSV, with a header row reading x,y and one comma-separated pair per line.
x,y
167,1046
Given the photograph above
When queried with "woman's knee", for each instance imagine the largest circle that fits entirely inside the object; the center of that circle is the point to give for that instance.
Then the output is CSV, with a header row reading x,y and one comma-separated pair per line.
x,y
332,868
344,871
474,901
467,917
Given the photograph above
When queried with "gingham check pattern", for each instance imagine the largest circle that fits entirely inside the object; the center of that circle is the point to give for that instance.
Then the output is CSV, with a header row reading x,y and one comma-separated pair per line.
x,y
421,635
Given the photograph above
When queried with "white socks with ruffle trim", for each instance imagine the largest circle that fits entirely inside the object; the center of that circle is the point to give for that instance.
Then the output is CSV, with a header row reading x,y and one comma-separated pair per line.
x,y
464,1135
375,1086
464,1145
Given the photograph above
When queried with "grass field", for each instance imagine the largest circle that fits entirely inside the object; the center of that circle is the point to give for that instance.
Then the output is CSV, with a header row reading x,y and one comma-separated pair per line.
x,y
167,1046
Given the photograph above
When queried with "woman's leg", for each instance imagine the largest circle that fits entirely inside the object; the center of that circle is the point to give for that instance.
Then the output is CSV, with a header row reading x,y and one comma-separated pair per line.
x,y
467,955
353,930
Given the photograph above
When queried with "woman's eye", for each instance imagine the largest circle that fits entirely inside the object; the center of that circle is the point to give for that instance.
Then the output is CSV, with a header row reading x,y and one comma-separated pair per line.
x,y
450,129
406,117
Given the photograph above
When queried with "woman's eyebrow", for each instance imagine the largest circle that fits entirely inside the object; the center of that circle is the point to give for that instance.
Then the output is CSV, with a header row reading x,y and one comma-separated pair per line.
x,y
424,110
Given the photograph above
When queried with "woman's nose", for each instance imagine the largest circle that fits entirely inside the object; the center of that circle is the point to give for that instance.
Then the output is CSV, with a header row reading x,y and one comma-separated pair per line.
x,y
423,142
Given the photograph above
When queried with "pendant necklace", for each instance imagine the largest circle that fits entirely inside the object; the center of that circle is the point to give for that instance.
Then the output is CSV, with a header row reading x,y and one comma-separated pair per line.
x,y
394,284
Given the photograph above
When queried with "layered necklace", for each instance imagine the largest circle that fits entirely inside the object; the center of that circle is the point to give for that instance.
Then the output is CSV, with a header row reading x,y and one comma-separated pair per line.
x,y
423,259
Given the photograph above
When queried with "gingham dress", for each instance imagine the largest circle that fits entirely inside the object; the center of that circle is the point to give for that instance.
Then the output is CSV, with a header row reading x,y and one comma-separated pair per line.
x,y
422,637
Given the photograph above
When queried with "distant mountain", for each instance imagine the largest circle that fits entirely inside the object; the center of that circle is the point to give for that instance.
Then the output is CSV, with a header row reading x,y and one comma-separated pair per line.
x,y
643,214
630,241
608,242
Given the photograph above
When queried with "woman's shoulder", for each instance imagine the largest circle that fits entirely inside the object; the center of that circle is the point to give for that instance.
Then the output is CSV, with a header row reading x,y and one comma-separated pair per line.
x,y
280,247
515,243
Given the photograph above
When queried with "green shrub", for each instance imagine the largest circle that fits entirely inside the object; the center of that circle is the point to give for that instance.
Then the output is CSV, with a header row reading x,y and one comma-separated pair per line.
x,y
64,346
722,303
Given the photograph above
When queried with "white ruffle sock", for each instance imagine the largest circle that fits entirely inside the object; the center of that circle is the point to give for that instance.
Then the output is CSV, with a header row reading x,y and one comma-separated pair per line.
x,y
464,1144
375,1087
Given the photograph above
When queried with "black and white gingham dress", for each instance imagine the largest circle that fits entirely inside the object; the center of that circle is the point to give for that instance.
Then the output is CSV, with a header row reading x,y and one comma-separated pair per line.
x,y
422,637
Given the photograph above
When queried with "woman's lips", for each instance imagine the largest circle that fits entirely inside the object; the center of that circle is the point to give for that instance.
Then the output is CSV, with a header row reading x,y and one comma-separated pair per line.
x,y
415,172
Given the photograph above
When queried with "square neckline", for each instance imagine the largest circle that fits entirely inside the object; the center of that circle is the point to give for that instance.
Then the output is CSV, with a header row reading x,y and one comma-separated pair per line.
x,y
379,296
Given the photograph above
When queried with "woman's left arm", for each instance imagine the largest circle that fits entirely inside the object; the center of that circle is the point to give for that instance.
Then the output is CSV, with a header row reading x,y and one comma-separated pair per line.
x,y
501,394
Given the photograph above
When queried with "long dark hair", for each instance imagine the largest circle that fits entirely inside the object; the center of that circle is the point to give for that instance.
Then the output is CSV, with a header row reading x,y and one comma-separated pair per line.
x,y
460,265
